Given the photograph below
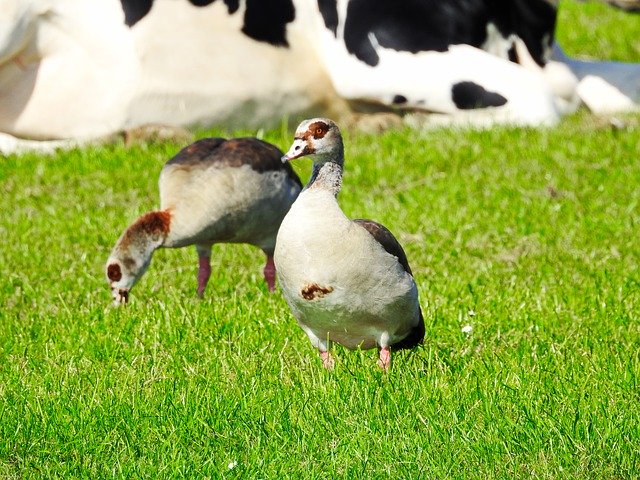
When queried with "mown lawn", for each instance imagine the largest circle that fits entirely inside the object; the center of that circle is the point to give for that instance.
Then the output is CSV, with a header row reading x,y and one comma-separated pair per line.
x,y
529,237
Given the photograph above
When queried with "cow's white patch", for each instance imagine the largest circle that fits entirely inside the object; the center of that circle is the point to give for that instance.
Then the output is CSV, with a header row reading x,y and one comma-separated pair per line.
x,y
558,77
623,80
496,44
73,77
16,28
529,100
217,74
342,16
10,144
73,69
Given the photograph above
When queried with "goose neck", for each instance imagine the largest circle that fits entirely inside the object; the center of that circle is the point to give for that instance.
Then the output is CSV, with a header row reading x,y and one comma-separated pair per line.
x,y
326,176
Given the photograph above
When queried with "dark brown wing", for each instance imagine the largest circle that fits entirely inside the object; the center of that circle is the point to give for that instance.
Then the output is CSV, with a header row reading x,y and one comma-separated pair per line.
x,y
415,337
236,152
197,152
385,238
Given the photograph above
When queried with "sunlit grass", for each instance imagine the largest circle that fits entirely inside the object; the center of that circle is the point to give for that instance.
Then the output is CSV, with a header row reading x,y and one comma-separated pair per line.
x,y
524,247
592,30
528,237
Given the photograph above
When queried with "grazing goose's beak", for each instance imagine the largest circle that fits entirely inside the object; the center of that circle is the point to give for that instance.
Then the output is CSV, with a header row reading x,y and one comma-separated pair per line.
x,y
298,149
120,296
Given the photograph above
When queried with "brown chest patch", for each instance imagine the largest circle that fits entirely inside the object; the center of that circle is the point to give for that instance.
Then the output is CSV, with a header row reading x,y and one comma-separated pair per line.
x,y
313,291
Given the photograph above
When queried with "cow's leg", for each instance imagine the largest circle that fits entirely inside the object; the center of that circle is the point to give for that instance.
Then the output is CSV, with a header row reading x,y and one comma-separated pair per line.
x,y
604,87
12,145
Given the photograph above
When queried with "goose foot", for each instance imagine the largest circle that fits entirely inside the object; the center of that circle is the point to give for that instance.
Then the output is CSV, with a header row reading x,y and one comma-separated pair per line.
x,y
328,361
385,358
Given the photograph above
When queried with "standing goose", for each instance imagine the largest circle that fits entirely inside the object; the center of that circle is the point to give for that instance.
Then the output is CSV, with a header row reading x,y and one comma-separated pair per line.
x,y
346,281
212,191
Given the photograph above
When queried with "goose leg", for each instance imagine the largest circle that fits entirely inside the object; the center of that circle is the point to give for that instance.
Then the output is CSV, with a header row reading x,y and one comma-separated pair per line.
x,y
204,267
328,361
323,347
385,358
269,273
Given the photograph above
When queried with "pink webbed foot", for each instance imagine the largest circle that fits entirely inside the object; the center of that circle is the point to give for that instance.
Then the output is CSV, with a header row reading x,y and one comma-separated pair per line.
x,y
269,273
204,272
328,361
385,358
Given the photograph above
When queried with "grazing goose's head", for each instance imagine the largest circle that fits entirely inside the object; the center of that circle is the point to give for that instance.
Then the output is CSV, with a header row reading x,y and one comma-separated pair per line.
x,y
119,283
131,255
319,137
122,275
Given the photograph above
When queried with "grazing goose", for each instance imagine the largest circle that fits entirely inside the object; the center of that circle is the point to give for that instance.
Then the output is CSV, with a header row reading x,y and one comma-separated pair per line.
x,y
213,191
346,281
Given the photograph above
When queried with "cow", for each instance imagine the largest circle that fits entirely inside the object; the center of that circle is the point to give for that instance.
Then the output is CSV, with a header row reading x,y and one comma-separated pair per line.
x,y
78,70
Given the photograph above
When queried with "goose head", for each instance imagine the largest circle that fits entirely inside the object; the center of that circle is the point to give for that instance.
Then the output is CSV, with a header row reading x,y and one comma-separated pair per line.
x,y
319,137
122,275
132,253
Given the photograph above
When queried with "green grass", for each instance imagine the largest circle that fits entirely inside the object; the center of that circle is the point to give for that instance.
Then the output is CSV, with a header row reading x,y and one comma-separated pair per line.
x,y
529,236
592,30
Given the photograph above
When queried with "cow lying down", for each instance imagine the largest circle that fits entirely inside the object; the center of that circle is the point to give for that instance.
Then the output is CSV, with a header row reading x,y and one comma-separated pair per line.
x,y
77,70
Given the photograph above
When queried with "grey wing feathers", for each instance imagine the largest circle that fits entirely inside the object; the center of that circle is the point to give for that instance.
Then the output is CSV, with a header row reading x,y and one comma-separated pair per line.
x,y
386,239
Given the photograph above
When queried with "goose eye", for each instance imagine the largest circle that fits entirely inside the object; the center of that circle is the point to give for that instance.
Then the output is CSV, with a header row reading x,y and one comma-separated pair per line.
x,y
318,131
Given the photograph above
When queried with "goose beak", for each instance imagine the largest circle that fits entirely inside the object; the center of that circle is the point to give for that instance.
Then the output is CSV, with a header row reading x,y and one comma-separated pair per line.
x,y
298,149
120,296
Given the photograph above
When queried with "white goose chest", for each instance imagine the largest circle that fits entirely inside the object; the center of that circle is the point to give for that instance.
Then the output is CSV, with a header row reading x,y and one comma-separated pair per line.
x,y
337,279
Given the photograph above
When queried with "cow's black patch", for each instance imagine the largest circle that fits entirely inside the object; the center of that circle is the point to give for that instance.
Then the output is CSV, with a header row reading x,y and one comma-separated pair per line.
x,y
513,54
232,5
267,21
201,3
135,10
535,24
399,100
329,11
412,26
534,21
435,25
469,95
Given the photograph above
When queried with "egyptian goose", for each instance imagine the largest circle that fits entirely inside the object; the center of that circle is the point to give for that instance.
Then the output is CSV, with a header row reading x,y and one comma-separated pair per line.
x,y
346,281
212,191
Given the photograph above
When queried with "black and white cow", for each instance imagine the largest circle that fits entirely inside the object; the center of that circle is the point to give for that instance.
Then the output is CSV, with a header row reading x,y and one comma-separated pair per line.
x,y
77,69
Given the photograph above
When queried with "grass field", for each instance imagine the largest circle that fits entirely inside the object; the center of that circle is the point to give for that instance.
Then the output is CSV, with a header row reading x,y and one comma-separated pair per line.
x,y
530,237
